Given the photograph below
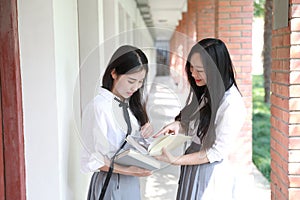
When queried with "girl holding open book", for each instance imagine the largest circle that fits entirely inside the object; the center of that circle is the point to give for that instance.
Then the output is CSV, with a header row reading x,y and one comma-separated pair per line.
x,y
213,116
115,112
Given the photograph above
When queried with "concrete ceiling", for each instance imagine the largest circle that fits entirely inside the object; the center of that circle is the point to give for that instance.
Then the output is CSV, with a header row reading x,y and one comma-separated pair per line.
x,y
162,15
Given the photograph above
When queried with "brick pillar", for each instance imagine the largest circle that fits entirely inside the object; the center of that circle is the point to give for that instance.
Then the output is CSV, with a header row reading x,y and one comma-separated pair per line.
x,y
205,18
285,108
191,23
180,44
234,27
198,22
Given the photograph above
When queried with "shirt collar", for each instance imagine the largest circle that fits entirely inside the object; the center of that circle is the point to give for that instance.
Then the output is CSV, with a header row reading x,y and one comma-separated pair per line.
x,y
109,95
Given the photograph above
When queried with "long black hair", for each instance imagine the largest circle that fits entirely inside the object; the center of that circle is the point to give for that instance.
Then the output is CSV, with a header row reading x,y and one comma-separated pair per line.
x,y
219,72
126,60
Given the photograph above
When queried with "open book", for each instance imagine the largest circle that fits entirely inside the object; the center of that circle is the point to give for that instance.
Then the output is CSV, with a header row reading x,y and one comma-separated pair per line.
x,y
141,154
154,148
131,157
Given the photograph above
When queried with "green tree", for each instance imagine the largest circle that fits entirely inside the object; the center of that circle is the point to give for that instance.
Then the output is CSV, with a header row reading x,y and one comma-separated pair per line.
x,y
267,49
259,8
263,8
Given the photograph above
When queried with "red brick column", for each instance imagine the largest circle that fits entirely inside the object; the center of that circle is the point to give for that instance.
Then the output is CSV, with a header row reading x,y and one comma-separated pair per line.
x,y
206,18
285,108
234,27
180,44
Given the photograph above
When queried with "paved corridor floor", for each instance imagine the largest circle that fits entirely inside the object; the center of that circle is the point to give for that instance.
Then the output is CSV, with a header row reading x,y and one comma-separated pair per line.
x,y
164,102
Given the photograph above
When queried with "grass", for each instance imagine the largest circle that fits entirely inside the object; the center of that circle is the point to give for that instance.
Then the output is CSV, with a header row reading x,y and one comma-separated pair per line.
x,y
260,128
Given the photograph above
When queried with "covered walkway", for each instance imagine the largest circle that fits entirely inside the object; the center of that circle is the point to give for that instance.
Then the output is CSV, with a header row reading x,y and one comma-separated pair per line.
x,y
164,102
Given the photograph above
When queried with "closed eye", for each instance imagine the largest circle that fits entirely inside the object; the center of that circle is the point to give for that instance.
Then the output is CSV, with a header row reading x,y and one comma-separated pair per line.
x,y
132,81
198,69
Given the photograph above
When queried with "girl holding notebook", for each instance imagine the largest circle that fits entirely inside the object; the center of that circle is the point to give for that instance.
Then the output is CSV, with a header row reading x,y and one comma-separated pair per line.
x,y
213,116
115,112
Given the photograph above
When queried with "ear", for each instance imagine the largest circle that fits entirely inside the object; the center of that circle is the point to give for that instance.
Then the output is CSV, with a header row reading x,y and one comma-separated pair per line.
x,y
114,74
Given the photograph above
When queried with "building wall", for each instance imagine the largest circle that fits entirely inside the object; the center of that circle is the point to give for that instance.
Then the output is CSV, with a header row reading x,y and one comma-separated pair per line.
x,y
49,65
67,75
40,119
64,47
104,25
234,27
285,102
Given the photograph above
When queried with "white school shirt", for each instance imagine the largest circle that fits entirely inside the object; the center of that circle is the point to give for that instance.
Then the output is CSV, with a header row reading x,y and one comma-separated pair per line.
x,y
230,118
103,130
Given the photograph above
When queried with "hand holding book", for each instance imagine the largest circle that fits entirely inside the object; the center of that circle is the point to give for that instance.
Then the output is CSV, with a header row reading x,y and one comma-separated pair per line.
x,y
169,142
143,150
167,157
142,153
146,130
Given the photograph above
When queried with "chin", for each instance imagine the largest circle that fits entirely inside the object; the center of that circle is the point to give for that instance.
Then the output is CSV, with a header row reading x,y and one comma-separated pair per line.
x,y
127,96
200,84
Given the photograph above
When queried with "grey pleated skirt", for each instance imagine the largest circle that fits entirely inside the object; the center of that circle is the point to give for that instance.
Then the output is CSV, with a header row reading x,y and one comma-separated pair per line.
x,y
120,187
194,178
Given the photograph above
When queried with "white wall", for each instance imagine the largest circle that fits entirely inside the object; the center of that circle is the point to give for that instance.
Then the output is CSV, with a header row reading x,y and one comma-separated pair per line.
x,y
72,181
49,65
90,24
56,39
39,99
104,25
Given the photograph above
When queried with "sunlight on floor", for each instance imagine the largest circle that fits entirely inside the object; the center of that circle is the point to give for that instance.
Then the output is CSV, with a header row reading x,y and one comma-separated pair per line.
x,y
161,184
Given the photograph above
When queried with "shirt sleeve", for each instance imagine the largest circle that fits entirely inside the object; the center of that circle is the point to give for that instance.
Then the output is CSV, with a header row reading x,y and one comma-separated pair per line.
x,y
229,121
94,138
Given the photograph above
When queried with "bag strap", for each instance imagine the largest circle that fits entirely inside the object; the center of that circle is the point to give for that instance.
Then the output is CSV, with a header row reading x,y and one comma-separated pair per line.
x,y
124,106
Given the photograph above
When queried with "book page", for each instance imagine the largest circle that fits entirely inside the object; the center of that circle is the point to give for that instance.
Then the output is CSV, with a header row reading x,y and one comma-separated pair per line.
x,y
139,143
156,141
132,158
169,142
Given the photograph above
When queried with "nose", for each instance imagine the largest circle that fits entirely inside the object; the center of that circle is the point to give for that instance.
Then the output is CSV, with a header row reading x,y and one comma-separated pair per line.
x,y
194,74
134,87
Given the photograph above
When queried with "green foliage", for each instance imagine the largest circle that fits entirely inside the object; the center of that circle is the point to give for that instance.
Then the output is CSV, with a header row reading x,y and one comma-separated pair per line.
x,y
260,128
259,8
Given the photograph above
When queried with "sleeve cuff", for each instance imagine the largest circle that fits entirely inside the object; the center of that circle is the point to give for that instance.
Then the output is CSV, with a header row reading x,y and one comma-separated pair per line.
x,y
93,164
213,155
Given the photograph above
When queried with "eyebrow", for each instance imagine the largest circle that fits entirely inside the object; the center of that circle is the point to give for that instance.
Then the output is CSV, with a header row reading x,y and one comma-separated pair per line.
x,y
134,79
198,66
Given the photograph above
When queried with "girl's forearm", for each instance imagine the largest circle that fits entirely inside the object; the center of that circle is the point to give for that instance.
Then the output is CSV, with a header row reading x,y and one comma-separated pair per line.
x,y
128,170
117,169
196,158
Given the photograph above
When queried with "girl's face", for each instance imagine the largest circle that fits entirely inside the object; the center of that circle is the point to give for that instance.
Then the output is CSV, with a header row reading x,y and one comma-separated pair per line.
x,y
126,84
197,70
